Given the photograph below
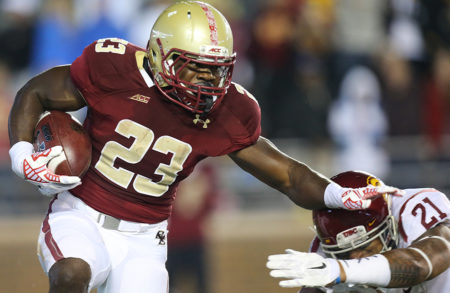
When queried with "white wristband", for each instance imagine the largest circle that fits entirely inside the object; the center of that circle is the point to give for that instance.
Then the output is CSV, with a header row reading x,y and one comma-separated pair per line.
x,y
373,270
17,153
333,196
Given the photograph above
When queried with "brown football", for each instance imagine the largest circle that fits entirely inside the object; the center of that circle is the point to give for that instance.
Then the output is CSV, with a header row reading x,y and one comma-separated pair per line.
x,y
60,128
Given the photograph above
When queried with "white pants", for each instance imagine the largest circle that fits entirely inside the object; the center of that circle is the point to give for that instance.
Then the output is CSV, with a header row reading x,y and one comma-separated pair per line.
x,y
123,256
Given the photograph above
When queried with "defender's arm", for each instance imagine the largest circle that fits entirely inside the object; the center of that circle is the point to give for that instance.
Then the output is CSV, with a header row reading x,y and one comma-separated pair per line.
x,y
424,259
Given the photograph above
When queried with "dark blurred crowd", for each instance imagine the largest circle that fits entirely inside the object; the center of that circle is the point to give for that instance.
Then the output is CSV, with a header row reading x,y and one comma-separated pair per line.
x,y
320,69
310,57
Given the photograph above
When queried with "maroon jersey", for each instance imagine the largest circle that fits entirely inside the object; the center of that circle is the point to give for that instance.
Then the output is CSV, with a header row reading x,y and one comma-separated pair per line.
x,y
143,144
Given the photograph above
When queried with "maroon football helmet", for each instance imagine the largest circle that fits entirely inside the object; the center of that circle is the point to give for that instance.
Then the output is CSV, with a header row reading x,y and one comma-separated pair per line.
x,y
341,231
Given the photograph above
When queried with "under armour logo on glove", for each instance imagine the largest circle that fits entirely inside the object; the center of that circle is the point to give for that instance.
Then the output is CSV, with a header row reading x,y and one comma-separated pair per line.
x,y
33,168
357,199
32,171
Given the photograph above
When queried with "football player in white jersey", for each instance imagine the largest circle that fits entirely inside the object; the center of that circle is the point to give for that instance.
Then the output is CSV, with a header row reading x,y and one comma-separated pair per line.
x,y
400,244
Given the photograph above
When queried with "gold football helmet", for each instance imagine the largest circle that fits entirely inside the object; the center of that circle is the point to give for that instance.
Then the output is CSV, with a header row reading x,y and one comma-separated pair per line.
x,y
189,32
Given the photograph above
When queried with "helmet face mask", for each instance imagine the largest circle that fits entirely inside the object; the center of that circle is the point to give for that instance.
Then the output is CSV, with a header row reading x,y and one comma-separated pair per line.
x,y
198,97
342,231
191,34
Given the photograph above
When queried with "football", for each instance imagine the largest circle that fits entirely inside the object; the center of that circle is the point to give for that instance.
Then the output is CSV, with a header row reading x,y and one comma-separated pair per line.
x,y
60,128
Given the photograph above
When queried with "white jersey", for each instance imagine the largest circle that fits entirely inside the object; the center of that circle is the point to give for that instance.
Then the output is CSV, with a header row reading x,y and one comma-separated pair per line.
x,y
416,212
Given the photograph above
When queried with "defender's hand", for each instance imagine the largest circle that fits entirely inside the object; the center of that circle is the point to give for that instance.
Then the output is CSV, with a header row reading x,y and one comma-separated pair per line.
x,y
356,198
33,168
303,269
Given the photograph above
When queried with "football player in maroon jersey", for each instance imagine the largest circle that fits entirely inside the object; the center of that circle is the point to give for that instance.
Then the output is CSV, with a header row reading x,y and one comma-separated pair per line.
x,y
152,116
399,244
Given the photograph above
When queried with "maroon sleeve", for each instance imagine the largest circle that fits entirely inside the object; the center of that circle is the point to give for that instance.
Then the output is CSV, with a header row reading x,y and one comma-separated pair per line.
x,y
252,121
96,71
244,117
84,72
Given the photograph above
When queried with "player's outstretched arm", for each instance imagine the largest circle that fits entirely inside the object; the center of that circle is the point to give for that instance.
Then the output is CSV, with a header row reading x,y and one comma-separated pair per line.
x,y
304,186
426,258
264,161
50,90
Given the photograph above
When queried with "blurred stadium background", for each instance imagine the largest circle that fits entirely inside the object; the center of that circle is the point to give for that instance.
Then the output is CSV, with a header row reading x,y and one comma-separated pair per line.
x,y
344,84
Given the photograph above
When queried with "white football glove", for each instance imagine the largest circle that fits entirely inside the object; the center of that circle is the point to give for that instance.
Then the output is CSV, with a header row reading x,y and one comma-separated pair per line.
x,y
303,269
356,198
33,168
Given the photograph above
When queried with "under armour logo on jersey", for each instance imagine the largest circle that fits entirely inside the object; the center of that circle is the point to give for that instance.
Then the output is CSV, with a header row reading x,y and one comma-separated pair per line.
x,y
162,237
140,98
205,122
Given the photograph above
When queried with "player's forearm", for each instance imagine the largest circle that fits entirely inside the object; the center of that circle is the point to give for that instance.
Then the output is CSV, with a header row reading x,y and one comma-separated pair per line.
x,y
399,268
409,266
264,161
24,114
307,187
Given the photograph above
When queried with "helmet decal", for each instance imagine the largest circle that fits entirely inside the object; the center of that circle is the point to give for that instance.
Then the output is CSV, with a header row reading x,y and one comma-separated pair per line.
x,y
373,181
356,234
214,50
211,22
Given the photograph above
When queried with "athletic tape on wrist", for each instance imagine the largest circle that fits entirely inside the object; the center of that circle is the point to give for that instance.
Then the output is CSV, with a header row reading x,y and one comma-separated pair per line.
x,y
373,270
333,196
21,147
430,265
334,269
